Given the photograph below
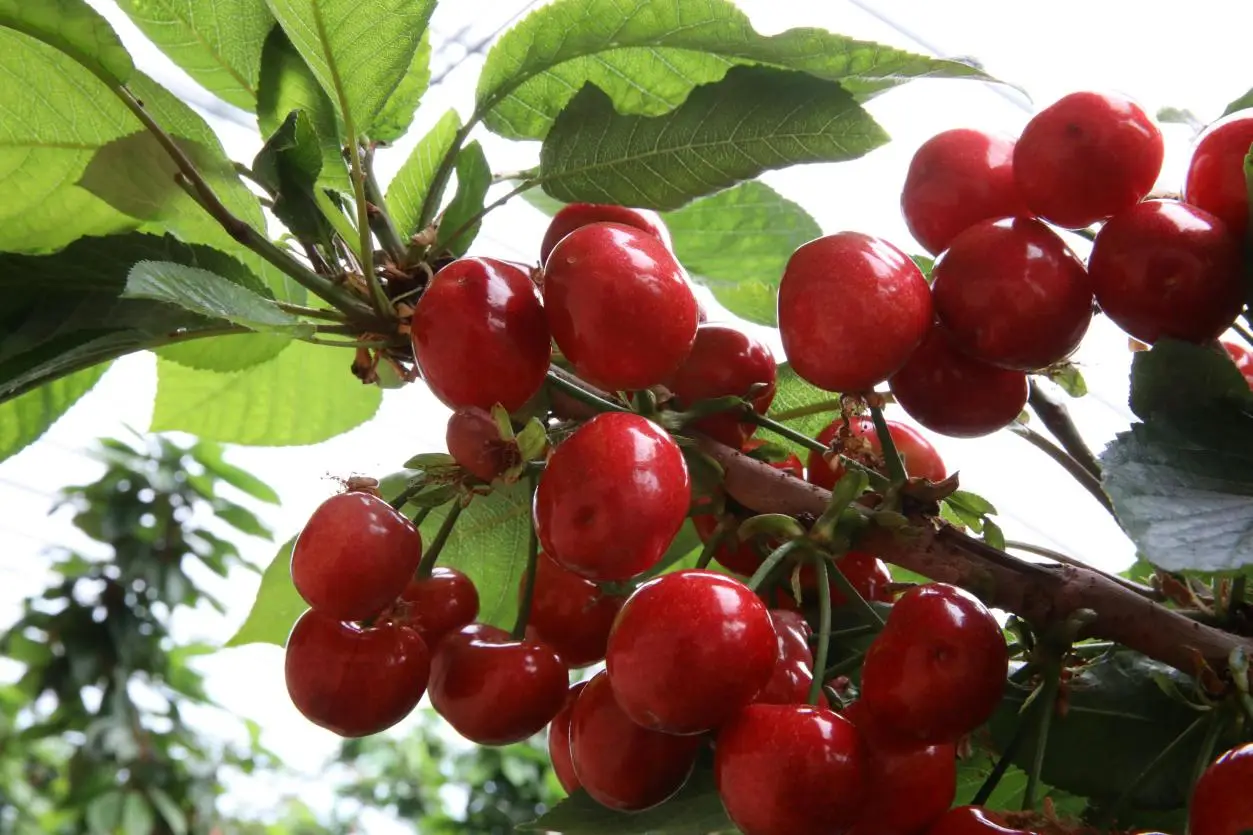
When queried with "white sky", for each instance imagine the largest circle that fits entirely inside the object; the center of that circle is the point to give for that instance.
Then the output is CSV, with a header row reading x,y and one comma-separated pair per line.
x,y
1160,53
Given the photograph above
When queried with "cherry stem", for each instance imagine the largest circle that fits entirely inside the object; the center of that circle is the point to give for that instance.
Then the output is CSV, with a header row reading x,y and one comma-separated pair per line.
x,y
818,408
420,516
412,489
1235,598
311,312
1080,474
1000,767
437,544
1208,744
528,581
853,596
771,562
1047,707
853,631
877,480
824,627
564,382
891,455
486,210
839,668
376,209
1110,816
1056,419
1243,332
721,533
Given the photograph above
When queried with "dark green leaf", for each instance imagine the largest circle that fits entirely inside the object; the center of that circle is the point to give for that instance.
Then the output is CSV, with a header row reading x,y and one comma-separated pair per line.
x,y
1178,377
1240,104
411,186
1187,505
270,404
427,461
754,120
695,810
792,394
209,295
277,606
74,28
737,243
217,42
1118,719
290,165
359,50
971,503
209,456
474,177
24,419
648,55
397,114
287,84
993,535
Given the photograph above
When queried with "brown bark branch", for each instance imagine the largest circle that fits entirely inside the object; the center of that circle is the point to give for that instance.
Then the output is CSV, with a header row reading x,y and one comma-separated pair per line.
x,y
1056,419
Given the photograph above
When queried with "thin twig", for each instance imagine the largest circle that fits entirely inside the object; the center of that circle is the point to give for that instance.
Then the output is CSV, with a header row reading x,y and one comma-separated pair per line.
x,y
312,312
380,219
1056,419
1080,474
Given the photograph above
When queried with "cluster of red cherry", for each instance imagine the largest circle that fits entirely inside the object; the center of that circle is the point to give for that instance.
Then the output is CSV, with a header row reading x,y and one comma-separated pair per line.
x,y
697,656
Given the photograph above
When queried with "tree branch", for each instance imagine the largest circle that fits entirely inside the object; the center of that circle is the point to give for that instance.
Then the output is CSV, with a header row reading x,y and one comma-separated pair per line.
x,y
1056,419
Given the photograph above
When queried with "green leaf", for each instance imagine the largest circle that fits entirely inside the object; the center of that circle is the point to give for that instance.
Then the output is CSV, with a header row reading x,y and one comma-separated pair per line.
x,y
1068,377
695,810
277,606
74,28
233,352
104,812
794,394
287,84
359,50
754,120
137,815
397,114
1010,791
170,812
267,405
64,312
648,55
1177,378
737,243
24,419
1118,719
411,186
474,177
210,295
241,518
217,42
1241,103
209,456
289,165
1177,116
1187,505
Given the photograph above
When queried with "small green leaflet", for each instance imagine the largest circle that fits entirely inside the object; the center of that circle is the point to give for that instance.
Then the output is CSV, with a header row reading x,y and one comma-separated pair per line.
x,y
210,295
289,165
474,178
277,606
409,189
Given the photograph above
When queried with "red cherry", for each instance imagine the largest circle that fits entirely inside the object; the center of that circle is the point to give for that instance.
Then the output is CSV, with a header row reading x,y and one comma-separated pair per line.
x,y
474,441
1221,803
620,306
1215,180
1087,157
937,670
789,463
688,650
922,460
352,680
576,215
621,765
794,671
851,310
571,614
724,362
559,741
1242,357
970,820
926,775
1013,294
480,336
956,395
354,556
868,574
495,690
737,555
782,768
612,497
1167,269
956,179
438,604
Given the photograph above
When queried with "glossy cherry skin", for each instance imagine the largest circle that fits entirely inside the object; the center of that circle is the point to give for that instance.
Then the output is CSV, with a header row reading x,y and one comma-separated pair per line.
x,y
494,690
1242,357
1167,269
868,575
438,604
474,440
725,361
1010,292
922,460
738,555
852,308
559,741
956,395
354,681
970,820
620,306
1215,180
925,776
688,650
1087,157
937,670
480,336
621,765
575,215
956,179
794,671
354,556
571,614
782,769
612,497
1221,802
